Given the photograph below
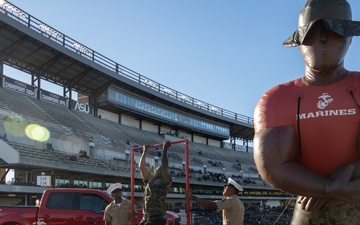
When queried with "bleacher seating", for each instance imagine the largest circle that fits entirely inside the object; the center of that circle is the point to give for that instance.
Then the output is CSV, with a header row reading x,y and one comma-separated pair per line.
x,y
111,136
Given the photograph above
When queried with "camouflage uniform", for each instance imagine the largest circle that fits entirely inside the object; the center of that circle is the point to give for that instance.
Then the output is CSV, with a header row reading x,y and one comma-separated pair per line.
x,y
332,213
154,200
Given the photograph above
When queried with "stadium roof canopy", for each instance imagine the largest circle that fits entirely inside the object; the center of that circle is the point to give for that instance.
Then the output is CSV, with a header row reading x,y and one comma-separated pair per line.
x,y
34,47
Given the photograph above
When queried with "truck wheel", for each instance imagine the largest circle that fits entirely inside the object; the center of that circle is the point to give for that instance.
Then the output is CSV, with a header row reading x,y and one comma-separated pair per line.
x,y
11,223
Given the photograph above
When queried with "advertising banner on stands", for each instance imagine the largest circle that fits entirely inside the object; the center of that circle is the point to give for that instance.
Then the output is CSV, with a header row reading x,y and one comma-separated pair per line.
x,y
18,86
52,98
82,107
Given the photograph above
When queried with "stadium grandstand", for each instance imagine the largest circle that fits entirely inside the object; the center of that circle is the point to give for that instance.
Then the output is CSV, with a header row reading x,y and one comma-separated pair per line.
x,y
52,140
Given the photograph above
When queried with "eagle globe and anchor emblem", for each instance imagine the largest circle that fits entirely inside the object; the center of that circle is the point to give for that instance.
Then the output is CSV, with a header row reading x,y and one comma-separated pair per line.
x,y
325,100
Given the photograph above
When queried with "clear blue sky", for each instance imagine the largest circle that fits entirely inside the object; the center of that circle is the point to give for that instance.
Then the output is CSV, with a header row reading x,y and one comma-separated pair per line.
x,y
227,53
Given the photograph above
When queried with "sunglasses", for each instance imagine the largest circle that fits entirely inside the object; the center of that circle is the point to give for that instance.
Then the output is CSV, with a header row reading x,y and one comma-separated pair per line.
x,y
345,28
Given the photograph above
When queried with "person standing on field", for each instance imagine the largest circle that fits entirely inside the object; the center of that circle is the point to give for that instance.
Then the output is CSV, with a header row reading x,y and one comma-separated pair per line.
x,y
232,208
118,212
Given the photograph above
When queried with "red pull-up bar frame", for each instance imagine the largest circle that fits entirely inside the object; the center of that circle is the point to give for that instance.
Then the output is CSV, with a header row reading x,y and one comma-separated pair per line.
x,y
187,175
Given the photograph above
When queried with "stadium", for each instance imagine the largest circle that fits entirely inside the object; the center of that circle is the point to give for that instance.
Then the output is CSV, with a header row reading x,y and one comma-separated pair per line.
x,y
85,139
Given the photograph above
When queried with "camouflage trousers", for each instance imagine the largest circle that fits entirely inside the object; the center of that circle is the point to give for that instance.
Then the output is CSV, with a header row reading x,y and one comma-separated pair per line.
x,y
159,219
332,213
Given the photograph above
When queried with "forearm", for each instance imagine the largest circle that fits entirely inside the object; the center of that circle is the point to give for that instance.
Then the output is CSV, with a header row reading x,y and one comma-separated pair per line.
x,y
341,169
165,159
142,161
292,177
205,203
356,173
276,154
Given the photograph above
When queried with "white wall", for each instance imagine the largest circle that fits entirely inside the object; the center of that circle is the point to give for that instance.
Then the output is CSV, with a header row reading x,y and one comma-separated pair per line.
x,y
71,144
199,139
165,129
149,127
108,115
130,121
215,143
12,155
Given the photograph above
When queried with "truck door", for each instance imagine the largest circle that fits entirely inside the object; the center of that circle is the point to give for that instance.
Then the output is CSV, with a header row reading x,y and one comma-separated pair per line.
x,y
89,209
58,209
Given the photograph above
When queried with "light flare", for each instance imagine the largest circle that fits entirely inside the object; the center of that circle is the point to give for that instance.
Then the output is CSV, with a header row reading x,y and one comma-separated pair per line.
x,y
37,132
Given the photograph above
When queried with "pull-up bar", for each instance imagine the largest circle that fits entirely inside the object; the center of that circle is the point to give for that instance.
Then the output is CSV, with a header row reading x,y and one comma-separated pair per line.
x,y
187,174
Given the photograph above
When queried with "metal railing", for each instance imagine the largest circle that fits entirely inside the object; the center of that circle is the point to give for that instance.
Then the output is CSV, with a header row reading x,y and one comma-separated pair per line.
x,y
37,25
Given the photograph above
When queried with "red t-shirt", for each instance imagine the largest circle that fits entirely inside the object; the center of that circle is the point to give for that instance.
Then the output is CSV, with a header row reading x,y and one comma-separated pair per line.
x,y
329,119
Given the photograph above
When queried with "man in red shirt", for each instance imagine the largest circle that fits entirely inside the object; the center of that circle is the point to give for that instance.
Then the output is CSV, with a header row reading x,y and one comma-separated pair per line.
x,y
307,130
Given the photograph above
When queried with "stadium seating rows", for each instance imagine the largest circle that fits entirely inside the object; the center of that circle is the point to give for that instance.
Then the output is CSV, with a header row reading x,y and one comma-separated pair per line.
x,y
107,135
